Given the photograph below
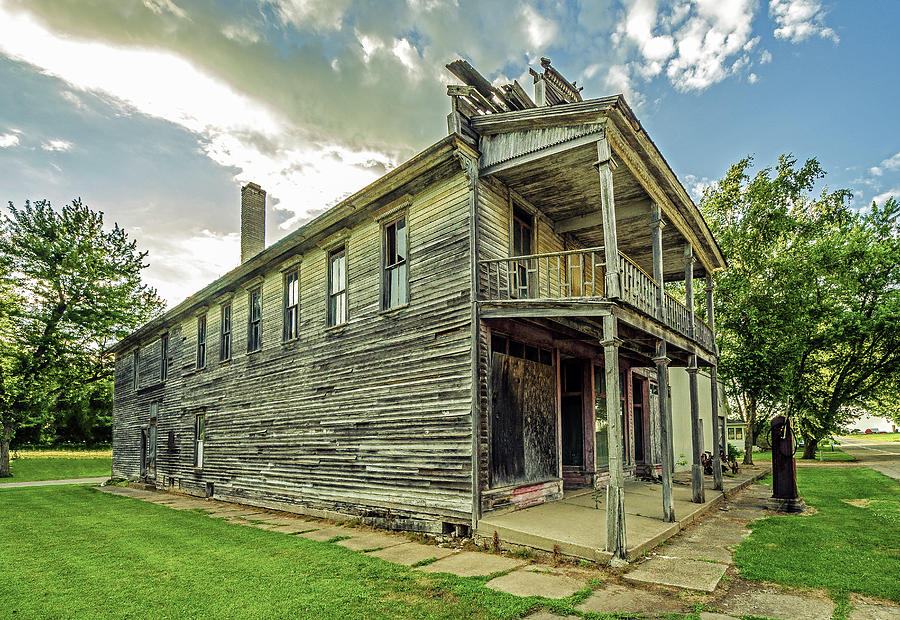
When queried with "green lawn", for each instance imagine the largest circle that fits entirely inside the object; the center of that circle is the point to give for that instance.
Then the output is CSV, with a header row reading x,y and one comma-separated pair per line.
x,y
843,548
876,436
824,454
77,552
58,465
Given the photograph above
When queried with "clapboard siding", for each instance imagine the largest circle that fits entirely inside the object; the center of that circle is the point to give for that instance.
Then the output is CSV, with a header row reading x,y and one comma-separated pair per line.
x,y
370,417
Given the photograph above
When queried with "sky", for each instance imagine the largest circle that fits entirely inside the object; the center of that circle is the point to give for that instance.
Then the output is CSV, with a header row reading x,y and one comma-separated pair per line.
x,y
157,111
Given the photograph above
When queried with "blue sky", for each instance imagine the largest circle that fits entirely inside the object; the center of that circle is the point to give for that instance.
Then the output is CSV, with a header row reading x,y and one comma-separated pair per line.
x,y
156,111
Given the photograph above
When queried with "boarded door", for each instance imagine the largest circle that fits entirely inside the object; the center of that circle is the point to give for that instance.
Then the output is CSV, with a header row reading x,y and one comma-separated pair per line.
x,y
523,421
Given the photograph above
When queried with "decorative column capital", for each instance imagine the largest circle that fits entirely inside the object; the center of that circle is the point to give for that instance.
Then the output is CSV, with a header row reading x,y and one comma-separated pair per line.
x,y
615,342
662,361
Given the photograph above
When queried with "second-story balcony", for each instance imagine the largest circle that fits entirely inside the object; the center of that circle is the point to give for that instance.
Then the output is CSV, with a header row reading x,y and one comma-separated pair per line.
x,y
579,276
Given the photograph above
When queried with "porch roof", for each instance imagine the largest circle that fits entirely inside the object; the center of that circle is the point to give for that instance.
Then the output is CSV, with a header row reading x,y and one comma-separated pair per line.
x,y
546,155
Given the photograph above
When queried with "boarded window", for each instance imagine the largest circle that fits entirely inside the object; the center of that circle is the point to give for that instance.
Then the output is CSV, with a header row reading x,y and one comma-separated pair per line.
x,y
199,431
395,278
164,357
254,324
225,335
337,287
136,368
291,310
523,421
201,341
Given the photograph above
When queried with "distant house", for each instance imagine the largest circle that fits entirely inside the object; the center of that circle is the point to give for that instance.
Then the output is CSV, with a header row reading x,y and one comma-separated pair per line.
x,y
735,429
481,328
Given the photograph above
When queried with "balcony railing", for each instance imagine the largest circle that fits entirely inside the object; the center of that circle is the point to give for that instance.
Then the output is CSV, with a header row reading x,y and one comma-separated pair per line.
x,y
556,275
579,274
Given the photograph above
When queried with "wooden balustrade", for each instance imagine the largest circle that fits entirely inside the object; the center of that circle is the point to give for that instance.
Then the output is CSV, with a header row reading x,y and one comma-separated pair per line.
x,y
579,274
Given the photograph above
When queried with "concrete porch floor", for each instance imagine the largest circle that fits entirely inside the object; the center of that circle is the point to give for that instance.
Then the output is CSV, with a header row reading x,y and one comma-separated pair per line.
x,y
576,525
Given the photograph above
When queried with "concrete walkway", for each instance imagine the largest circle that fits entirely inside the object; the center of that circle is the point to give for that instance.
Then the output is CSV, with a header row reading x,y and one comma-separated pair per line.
x,y
44,483
576,525
685,572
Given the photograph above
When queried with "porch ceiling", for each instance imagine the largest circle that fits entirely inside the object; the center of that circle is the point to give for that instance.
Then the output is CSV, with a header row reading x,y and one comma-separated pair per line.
x,y
565,187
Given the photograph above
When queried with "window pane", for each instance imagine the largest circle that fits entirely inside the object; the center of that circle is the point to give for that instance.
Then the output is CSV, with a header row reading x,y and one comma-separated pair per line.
x,y
401,240
390,241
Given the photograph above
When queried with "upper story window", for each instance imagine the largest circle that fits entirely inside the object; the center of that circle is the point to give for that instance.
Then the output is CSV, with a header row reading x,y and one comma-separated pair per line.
x,y
291,309
337,286
136,368
523,232
201,341
164,357
395,289
254,324
225,333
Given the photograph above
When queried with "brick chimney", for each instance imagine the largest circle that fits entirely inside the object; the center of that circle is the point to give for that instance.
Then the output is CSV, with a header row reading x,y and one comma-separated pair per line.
x,y
253,221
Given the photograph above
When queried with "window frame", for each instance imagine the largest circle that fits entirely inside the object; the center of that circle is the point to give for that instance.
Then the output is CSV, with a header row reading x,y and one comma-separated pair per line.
x,y
331,319
164,357
226,331
257,322
517,220
199,438
387,268
201,341
290,313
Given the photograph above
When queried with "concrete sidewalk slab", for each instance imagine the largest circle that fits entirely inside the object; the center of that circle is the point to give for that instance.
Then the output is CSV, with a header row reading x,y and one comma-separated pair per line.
x,y
696,551
777,605
531,583
678,573
614,598
326,533
411,553
370,540
472,564
864,609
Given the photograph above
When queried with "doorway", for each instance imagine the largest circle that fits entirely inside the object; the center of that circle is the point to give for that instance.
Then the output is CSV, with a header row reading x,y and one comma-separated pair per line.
x,y
638,407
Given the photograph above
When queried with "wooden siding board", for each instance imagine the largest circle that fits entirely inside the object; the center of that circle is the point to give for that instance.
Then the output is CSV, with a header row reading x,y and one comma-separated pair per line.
x,y
373,415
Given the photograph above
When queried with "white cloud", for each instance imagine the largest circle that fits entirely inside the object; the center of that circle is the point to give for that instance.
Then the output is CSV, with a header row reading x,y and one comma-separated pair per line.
x,y
876,171
765,57
753,78
798,20
165,6
314,14
892,162
57,145
696,44
697,185
539,30
882,197
8,140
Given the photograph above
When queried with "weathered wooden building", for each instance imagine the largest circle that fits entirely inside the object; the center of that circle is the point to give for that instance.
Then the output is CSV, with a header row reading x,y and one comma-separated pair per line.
x,y
482,327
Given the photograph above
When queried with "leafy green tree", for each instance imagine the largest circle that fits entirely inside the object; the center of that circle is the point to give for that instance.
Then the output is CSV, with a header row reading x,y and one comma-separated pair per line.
x,y
808,307
759,297
78,290
850,355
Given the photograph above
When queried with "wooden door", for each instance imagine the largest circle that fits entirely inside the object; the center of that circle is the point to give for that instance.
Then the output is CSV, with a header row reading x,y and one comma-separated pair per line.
x,y
523,421
151,450
145,443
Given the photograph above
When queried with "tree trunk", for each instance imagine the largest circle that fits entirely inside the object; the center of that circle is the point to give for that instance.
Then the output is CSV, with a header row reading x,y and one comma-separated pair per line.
x,y
810,449
749,438
4,452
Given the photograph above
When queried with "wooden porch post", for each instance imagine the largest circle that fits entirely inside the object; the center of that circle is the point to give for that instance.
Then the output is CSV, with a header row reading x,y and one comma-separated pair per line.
x,y
664,430
605,165
714,389
698,494
615,492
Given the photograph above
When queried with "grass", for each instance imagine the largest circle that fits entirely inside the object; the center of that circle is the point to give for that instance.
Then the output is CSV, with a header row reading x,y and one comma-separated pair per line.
x,y
59,464
838,456
73,551
843,547
876,436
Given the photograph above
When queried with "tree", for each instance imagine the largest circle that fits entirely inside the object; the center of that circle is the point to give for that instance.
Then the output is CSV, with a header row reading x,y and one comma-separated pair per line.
x,y
758,300
78,291
850,357
808,307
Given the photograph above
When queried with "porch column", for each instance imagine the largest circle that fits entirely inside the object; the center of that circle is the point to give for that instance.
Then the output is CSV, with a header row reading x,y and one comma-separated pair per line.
x,y
615,492
665,430
605,166
698,494
714,389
